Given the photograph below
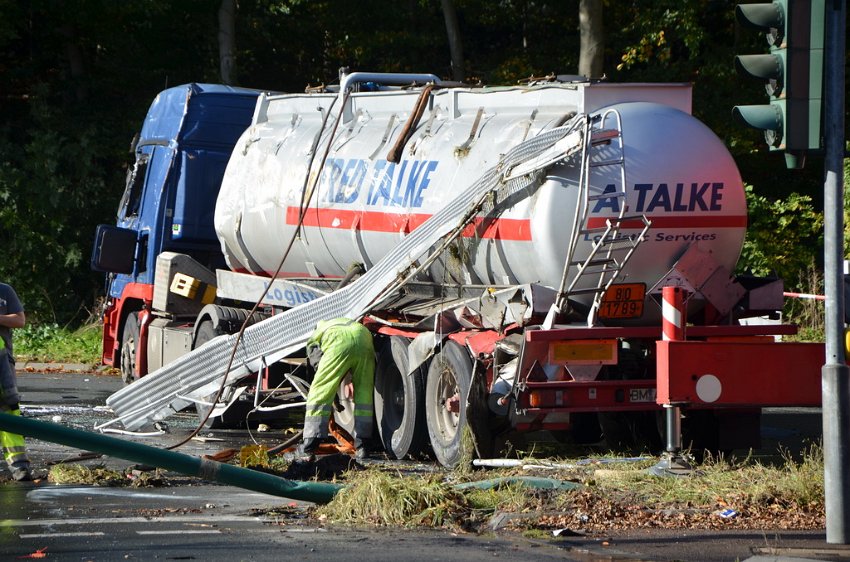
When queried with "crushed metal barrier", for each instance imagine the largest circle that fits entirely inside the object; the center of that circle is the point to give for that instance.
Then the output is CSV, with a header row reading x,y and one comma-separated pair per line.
x,y
199,373
318,492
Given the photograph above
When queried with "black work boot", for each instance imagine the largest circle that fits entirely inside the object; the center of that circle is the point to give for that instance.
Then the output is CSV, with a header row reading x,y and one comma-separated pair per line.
x,y
21,473
364,448
307,447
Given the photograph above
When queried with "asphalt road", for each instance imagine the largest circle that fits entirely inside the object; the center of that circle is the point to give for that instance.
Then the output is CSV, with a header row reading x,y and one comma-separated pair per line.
x,y
195,520
207,522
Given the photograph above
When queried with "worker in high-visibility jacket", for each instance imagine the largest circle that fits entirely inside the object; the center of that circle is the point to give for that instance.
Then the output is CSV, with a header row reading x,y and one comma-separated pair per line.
x,y
346,347
14,449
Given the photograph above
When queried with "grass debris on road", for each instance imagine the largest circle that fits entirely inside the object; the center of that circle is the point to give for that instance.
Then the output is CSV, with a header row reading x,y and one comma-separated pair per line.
x,y
100,475
607,493
387,499
721,494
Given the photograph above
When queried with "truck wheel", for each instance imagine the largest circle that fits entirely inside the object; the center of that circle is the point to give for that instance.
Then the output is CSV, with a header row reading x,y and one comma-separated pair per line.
x,y
446,392
129,341
233,417
400,401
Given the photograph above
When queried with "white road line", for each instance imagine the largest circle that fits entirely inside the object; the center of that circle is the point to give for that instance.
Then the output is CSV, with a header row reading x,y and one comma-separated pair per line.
x,y
54,535
181,532
6,523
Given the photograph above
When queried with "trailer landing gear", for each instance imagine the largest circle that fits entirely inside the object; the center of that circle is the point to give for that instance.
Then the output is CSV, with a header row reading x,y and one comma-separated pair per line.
x,y
673,462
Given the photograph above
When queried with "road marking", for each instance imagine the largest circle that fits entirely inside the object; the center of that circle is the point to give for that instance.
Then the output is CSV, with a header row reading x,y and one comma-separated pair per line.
x,y
54,535
50,494
181,532
121,520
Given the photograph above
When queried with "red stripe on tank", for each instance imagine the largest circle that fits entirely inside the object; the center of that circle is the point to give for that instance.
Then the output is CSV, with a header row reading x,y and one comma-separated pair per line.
x,y
497,229
374,221
679,221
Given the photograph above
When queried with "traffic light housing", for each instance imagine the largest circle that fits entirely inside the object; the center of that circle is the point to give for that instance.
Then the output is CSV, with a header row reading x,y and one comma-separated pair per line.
x,y
792,72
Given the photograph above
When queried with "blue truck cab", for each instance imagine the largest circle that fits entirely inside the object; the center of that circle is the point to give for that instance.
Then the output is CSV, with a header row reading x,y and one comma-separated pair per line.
x,y
168,205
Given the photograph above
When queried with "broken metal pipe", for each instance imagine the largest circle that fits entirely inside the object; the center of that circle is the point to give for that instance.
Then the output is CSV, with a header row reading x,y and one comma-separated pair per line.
x,y
317,492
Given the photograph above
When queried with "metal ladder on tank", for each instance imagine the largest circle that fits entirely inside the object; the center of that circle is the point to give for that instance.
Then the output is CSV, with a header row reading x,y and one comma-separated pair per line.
x,y
612,250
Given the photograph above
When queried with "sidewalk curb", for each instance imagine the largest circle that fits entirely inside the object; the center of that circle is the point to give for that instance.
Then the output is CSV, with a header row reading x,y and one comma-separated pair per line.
x,y
41,367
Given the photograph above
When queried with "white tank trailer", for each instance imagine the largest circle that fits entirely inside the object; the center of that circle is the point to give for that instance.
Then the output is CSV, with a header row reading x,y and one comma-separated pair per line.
x,y
678,174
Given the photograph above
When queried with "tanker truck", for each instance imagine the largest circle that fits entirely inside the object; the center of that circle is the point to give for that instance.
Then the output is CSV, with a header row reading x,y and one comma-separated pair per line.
x,y
556,255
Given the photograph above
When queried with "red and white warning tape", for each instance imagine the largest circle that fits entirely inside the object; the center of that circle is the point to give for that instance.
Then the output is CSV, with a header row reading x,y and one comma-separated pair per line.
x,y
805,296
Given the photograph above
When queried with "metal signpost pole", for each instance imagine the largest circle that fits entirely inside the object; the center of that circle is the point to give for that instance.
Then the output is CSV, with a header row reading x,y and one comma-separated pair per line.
x,y
835,375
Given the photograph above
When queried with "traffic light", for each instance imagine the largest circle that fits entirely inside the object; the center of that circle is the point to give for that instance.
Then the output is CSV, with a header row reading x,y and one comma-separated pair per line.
x,y
793,75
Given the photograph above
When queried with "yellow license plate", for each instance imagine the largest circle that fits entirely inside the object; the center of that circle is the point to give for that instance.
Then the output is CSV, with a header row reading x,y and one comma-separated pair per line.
x,y
584,352
623,301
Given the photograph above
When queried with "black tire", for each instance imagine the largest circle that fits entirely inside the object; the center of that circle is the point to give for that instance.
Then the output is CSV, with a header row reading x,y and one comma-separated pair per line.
x,y
450,378
235,416
400,401
129,348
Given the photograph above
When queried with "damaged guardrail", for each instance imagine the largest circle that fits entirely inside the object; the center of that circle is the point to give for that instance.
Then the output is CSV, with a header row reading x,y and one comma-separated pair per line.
x,y
316,492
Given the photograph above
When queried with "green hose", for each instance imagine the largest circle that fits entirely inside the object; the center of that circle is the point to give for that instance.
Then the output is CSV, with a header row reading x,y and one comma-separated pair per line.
x,y
316,492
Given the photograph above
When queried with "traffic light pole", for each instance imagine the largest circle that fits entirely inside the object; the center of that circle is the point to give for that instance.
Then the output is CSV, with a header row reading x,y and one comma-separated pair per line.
x,y
835,375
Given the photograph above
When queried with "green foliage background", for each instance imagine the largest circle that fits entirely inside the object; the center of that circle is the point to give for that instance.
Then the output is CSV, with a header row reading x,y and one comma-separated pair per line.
x,y
47,342
77,76
781,234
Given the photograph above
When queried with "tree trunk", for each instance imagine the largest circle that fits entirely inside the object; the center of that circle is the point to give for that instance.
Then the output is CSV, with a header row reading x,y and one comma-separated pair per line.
x,y
227,41
592,38
455,46
76,63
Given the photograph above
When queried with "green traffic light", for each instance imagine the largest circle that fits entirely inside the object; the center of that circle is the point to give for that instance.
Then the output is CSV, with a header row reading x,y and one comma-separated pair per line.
x,y
767,118
764,17
765,67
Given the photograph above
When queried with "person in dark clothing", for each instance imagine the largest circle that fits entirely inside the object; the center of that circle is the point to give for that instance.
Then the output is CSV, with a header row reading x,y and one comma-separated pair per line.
x,y
14,449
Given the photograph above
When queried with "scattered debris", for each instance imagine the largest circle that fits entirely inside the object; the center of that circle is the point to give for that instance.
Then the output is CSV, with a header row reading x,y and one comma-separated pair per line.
x,y
206,439
79,457
154,513
565,532
144,477
376,497
222,456
254,456
79,474
526,481
137,476
276,514
502,519
544,464
326,467
40,553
